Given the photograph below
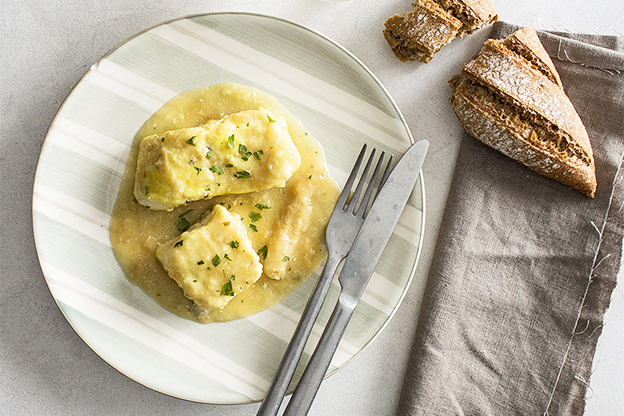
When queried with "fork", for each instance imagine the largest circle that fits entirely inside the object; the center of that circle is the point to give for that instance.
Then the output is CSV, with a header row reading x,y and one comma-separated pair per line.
x,y
342,228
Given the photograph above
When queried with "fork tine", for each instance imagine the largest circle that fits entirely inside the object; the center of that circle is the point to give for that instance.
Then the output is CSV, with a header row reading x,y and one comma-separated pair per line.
x,y
371,185
358,190
385,175
342,200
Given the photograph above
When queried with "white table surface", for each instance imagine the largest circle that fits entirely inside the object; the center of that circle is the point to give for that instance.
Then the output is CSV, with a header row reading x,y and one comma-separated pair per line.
x,y
45,47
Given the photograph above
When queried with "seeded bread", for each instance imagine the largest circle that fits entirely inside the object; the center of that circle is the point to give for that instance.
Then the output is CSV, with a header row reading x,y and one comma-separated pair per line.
x,y
509,96
420,33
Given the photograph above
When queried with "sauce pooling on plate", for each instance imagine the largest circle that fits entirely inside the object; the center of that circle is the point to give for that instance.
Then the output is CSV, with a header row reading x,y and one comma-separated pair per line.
x,y
286,225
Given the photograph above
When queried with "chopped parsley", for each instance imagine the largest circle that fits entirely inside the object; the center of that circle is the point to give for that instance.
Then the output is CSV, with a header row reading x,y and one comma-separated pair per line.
x,y
227,257
199,263
146,190
254,216
270,119
197,169
233,244
253,228
216,169
231,142
179,243
263,252
229,165
185,213
258,154
216,260
262,206
242,149
208,154
243,174
310,177
183,225
285,258
227,289
192,141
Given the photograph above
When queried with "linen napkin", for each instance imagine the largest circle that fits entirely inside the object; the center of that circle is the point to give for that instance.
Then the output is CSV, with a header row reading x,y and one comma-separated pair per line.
x,y
524,266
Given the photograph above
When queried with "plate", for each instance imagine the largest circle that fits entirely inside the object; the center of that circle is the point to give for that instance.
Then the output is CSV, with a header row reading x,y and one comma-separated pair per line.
x,y
82,161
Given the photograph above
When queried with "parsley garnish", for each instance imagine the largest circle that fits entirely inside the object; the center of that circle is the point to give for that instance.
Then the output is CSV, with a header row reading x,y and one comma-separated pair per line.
x,y
197,169
285,258
146,190
179,243
199,263
227,289
258,154
255,216
263,252
227,257
233,244
262,206
216,260
183,225
192,141
216,169
229,165
242,149
270,119
185,213
208,154
310,177
243,174
252,227
231,142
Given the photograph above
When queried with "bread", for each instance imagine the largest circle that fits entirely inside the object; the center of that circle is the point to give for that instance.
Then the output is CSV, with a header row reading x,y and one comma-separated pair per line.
x,y
420,33
510,97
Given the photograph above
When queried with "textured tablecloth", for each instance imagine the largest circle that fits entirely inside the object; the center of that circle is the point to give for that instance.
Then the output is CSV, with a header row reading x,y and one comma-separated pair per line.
x,y
524,267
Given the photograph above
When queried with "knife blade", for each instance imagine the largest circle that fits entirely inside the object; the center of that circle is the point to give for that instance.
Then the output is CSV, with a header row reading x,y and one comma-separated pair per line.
x,y
358,269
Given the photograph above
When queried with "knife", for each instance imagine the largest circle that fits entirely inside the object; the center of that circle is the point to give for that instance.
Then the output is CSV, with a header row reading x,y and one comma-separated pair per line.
x,y
357,271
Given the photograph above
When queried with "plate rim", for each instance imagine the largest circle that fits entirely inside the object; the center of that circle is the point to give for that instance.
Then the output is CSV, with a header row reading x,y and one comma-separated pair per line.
x,y
314,32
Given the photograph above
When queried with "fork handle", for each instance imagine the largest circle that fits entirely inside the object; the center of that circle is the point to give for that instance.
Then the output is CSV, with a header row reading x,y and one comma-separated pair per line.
x,y
273,400
310,381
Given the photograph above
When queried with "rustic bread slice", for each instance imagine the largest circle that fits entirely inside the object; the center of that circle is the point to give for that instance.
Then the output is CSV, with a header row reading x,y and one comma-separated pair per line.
x,y
505,101
421,32
526,43
431,24
474,14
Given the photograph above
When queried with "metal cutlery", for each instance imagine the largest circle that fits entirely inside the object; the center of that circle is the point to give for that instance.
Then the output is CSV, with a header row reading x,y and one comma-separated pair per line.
x,y
342,228
358,268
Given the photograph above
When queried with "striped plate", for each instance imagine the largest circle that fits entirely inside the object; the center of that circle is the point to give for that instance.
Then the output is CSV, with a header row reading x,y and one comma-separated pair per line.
x,y
335,96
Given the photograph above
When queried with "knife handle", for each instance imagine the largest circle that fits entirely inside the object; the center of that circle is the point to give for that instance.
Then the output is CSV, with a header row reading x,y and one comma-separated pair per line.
x,y
273,399
310,381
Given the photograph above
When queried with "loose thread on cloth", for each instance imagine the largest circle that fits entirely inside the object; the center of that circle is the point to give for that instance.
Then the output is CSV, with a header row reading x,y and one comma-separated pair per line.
x,y
610,71
595,264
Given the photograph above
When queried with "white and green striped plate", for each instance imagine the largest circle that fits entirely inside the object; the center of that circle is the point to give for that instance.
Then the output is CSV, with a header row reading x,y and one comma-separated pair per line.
x,y
335,96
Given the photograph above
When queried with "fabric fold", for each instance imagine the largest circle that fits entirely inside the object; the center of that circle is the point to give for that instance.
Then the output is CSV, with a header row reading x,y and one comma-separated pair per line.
x,y
524,267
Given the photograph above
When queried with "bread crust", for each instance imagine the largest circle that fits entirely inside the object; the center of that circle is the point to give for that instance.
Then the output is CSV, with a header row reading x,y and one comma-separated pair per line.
x,y
490,130
507,101
421,32
474,14
526,43
431,24
509,74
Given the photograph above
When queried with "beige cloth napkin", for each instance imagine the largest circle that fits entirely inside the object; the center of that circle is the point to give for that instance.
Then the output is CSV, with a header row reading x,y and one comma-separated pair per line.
x,y
524,267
